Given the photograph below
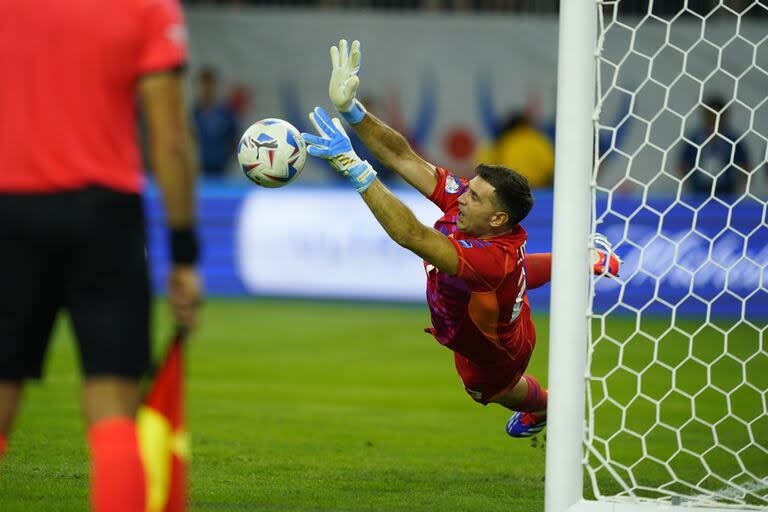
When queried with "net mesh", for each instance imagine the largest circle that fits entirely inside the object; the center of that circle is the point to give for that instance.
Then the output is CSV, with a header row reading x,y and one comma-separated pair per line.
x,y
677,377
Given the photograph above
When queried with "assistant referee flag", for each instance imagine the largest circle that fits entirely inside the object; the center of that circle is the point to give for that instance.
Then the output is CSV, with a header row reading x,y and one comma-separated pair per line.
x,y
162,438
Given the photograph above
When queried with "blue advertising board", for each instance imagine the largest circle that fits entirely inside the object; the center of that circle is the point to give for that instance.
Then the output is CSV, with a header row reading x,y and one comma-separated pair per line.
x,y
691,257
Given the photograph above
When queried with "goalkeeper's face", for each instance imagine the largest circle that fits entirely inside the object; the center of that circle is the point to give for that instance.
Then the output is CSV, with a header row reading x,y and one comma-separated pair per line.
x,y
479,214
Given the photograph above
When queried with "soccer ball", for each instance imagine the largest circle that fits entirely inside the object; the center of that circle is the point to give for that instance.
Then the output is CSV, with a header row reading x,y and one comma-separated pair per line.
x,y
271,153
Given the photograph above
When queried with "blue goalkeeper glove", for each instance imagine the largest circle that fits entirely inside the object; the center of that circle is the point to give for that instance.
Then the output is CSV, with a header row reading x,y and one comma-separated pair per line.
x,y
333,145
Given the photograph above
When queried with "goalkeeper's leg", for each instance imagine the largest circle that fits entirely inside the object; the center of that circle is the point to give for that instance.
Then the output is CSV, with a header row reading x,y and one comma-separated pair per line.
x,y
529,399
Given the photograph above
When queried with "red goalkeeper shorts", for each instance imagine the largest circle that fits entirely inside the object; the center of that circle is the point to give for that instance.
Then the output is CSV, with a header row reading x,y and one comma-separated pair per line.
x,y
490,368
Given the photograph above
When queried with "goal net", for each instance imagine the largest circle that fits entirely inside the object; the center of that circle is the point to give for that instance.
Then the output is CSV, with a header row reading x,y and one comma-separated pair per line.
x,y
677,369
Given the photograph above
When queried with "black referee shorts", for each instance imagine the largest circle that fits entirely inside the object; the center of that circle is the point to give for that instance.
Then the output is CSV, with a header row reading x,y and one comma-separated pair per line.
x,y
83,251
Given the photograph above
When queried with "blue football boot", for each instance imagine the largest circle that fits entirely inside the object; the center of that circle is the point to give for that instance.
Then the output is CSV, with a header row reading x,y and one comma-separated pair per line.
x,y
525,424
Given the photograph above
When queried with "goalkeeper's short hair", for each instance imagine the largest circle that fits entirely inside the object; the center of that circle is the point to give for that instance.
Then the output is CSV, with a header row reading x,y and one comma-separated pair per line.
x,y
513,192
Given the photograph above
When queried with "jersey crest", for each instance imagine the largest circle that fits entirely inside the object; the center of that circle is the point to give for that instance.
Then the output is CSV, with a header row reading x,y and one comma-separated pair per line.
x,y
451,184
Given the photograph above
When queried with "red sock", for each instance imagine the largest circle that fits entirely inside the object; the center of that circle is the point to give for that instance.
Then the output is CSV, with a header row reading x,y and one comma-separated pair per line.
x,y
117,475
535,399
3,444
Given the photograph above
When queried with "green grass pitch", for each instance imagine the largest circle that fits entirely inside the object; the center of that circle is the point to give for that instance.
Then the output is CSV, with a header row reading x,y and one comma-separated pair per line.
x,y
301,406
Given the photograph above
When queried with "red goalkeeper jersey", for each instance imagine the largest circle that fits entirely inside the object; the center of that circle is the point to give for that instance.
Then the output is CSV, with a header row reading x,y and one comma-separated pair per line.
x,y
482,312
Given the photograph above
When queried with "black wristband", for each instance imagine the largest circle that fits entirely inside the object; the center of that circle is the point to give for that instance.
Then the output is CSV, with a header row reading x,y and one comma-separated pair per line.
x,y
185,248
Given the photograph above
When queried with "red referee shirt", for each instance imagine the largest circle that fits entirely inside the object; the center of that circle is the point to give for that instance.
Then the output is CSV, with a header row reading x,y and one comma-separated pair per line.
x,y
68,78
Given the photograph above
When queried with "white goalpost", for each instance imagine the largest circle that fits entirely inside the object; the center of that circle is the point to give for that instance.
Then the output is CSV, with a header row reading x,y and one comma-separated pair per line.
x,y
658,380
568,303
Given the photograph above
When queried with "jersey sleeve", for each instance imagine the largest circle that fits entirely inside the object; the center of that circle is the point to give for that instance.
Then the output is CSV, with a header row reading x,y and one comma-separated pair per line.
x,y
482,264
538,269
164,36
448,189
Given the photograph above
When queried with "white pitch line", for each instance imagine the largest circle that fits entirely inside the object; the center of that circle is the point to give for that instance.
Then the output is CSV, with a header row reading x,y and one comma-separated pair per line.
x,y
735,492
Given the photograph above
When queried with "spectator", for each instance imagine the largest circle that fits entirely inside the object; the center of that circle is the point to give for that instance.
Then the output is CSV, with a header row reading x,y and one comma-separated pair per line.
x,y
522,147
612,135
216,126
712,161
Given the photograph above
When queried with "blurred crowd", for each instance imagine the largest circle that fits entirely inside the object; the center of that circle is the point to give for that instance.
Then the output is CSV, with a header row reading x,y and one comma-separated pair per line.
x,y
711,158
640,7
217,124
523,139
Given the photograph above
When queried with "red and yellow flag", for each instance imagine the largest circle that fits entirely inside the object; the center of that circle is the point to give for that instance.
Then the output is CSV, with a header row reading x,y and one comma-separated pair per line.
x,y
162,438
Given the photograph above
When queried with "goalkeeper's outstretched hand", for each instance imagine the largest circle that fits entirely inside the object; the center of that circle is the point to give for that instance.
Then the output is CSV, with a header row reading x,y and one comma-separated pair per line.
x,y
344,81
333,145
605,262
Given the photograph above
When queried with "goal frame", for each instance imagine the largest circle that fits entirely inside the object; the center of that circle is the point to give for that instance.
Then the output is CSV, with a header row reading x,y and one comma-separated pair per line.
x,y
569,303
576,72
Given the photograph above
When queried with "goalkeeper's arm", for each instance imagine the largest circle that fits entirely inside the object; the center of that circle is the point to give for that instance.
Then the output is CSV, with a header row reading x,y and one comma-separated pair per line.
x,y
332,144
388,146
393,151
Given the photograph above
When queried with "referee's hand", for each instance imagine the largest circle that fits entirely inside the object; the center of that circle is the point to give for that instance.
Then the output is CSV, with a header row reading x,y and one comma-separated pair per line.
x,y
185,294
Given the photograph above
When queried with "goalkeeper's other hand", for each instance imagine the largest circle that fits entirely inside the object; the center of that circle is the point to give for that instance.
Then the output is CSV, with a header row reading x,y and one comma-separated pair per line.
x,y
334,146
344,81
605,262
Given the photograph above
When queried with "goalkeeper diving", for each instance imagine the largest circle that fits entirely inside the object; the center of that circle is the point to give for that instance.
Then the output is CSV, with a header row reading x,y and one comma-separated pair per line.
x,y
474,256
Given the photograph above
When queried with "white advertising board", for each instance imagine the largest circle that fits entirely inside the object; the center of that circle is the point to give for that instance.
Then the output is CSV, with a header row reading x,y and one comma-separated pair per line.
x,y
325,243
